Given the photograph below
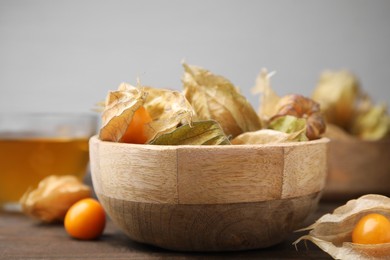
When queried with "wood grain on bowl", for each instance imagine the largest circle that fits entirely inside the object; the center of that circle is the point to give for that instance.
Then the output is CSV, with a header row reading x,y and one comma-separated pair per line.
x,y
211,227
357,168
208,198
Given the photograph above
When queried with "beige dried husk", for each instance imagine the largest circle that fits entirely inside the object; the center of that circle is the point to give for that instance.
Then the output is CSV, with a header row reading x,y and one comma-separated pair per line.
x,y
199,133
305,108
337,92
167,108
372,124
266,136
268,98
296,127
54,195
216,98
273,106
119,109
345,104
332,232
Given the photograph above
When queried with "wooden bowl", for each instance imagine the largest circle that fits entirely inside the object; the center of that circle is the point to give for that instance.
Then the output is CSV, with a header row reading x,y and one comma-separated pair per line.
x,y
356,168
208,198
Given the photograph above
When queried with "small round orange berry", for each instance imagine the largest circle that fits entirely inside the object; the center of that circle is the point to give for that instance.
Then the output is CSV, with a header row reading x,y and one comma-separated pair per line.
x,y
85,219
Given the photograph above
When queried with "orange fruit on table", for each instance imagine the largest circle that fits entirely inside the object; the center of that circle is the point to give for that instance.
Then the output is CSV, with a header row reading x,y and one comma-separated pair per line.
x,y
373,228
85,219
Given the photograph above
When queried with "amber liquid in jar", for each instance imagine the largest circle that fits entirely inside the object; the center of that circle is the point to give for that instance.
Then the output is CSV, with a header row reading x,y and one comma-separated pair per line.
x,y
25,161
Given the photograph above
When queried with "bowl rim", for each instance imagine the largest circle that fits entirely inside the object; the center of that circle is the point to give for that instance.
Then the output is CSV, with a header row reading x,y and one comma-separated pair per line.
x,y
353,140
323,140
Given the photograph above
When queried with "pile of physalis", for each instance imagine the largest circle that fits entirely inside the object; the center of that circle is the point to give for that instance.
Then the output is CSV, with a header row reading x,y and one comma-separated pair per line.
x,y
209,111
360,229
350,113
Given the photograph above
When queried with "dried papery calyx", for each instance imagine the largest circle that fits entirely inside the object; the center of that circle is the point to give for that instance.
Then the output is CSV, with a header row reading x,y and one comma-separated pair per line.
x,y
214,97
345,104
168,109
272,107
372,124
268,98
157,110
337,92
54,195
266,136
199,133
333,232
294,126
119,109
302,107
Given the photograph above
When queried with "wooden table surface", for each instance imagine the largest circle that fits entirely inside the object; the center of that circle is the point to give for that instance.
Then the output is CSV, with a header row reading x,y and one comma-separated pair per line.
x,y
24,238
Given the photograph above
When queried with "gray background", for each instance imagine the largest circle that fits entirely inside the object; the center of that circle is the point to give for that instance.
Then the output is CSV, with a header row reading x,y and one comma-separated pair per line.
x,y
65,56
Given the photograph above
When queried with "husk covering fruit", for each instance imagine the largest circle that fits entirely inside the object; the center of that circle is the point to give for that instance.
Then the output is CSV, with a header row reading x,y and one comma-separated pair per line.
x,y
345,105
210,111
332,232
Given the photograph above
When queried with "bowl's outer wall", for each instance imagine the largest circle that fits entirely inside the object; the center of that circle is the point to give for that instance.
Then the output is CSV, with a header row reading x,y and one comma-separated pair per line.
x,y
356,168
207,175
211,227
208,198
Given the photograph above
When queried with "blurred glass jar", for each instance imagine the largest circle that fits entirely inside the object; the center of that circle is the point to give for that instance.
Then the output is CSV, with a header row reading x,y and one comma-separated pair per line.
x,y
33,146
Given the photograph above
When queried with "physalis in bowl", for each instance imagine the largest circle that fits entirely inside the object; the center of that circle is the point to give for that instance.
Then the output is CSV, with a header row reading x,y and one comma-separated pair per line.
x,y
209,111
